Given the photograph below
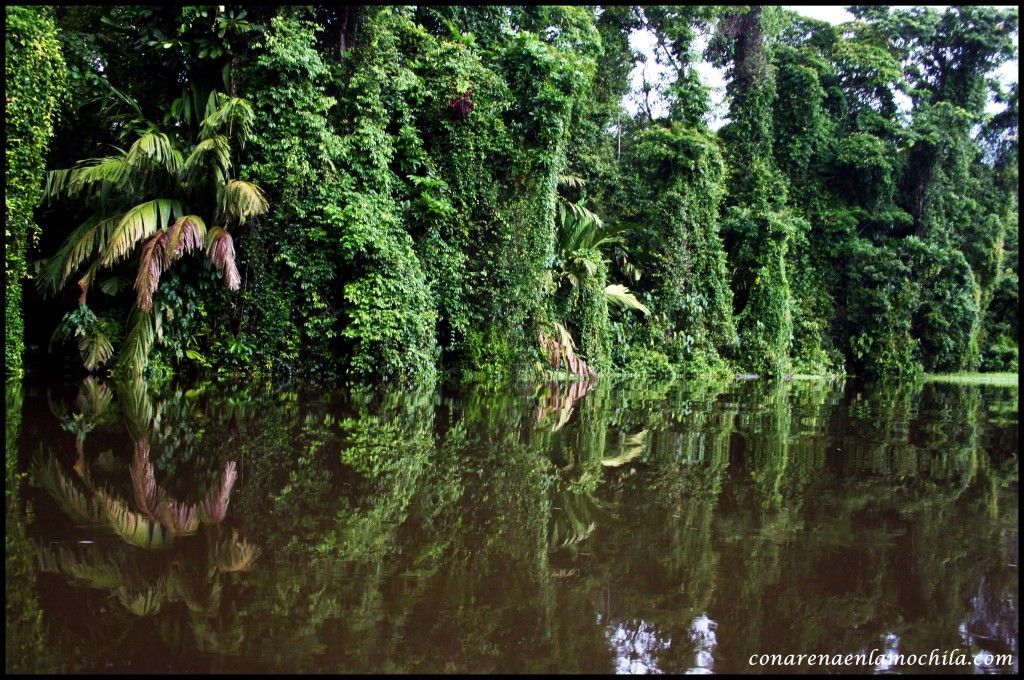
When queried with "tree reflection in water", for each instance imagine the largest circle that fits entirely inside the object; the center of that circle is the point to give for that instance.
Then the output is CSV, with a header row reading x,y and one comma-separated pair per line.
x,y
580,527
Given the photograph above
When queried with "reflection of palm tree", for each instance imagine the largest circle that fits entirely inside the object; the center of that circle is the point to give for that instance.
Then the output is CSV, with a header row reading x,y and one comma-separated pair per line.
x,y
156,519
561,399
153,564
574,514
143,585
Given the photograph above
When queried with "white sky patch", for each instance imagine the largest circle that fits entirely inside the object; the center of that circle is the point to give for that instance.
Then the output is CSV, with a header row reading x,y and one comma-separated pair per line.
x,y
714,78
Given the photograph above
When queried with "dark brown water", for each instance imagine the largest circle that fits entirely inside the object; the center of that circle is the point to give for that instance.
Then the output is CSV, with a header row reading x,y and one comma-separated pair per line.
x,y
565,529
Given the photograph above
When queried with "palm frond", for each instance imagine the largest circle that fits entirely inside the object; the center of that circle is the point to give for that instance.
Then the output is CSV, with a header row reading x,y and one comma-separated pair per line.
x,y
220,248
57,182
138,223
133,528
633,446
571,181
147,602
94,568
83,242
93,398
154,148
215,504
144,480
215,151
114,285
76,503
188,233
177,517
108,172
236,555
136,407
138,342
94,347
619,295
242,200
232,115
152,263
584,213
557,343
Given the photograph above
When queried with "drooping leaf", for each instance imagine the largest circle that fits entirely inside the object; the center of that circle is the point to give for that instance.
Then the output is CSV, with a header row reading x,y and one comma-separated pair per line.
x,y
138,341
557,343
114,284
89,237
154,148
94,347
177,517
95,568
136,407
152,263
138,223
619,295
236,555
73,500
144,480
242,200
145,602
220,248
135,529
214,152
232,115
188,233
108,173
215,504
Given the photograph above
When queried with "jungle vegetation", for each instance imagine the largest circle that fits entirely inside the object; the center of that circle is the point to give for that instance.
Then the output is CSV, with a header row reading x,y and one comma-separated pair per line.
x,y
400,193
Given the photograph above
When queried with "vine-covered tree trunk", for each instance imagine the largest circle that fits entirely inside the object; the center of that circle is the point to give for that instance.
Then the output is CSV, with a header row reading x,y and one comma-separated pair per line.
x,y
35,78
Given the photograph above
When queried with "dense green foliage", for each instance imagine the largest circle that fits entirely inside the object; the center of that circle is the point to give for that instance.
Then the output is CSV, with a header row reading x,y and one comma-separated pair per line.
x,y
35,81
461,191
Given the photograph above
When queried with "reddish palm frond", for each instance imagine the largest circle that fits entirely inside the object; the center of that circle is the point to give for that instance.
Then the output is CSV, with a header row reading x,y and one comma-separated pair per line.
x,y
562,401
187,234
215,505
178,518
151,265
221,251
164,247
561,348
143,480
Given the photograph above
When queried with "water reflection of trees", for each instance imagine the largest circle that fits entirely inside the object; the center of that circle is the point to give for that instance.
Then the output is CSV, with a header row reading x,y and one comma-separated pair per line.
x,y
530,531
131,537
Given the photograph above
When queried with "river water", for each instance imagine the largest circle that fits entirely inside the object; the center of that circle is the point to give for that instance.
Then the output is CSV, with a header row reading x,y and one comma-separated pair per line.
x,y
574,528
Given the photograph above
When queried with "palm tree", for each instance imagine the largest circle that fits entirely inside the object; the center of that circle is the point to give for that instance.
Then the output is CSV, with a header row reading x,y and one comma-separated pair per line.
x,y
581,237
153,198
